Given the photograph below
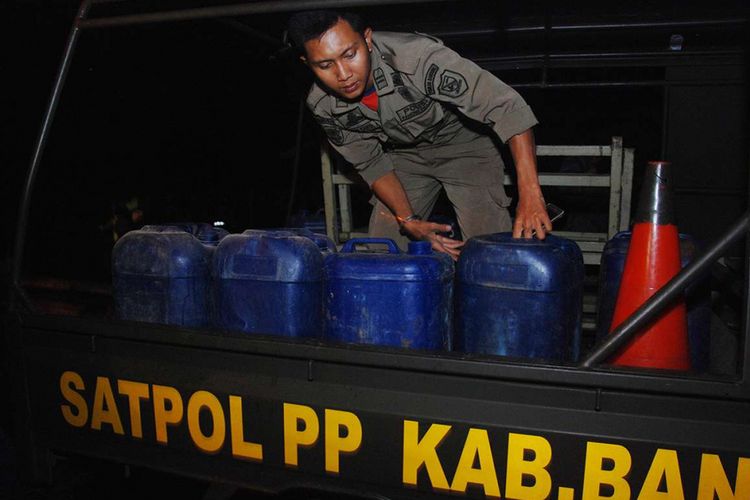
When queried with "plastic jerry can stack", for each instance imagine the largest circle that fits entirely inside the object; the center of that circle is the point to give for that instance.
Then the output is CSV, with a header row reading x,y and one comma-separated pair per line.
x,y
697,296
520,297
161,274
268,282
389,299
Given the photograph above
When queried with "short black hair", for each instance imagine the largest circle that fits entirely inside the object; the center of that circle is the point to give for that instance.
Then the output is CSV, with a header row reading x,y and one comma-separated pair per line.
x,y
304,26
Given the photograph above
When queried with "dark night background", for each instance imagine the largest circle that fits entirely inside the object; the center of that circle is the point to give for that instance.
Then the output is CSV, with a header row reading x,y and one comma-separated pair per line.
x,y
198,119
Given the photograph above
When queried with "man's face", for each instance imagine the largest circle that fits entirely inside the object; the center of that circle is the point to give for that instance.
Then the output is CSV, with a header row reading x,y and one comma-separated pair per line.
x,y
340,59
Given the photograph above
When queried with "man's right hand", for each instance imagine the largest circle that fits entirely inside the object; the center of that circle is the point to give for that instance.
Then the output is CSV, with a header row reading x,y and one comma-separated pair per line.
x,y
428,231
390,191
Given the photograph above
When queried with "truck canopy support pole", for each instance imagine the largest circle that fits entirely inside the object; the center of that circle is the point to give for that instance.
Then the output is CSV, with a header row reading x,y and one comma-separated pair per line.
x,y
665,295
246,9
297,158
23,209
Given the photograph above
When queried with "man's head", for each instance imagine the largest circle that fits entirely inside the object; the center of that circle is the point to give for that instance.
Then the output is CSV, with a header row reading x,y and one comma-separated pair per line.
x,y
336,47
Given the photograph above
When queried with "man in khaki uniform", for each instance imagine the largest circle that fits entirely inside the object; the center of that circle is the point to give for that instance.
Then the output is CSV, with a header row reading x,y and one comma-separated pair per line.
x,y
399,107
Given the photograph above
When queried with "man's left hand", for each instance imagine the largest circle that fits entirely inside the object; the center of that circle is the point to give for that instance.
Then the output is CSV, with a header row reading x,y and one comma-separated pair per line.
x,y
531,218
531,213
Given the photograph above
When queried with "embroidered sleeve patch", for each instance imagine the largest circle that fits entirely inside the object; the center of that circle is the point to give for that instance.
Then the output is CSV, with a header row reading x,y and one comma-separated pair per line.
x,y
452,84
429,79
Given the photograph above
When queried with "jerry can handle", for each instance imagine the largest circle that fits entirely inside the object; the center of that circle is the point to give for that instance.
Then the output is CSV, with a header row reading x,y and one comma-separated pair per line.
x,y
349,246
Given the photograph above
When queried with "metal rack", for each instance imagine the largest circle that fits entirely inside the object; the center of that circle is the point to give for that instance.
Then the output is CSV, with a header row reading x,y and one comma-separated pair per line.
x,y
619,180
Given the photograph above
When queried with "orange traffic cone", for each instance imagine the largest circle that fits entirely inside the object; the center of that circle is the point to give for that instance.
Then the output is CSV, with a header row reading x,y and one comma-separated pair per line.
x,y
652,260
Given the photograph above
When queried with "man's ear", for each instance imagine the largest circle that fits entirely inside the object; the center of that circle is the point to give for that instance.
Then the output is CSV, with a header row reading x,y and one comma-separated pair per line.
x,y
368,38
303,59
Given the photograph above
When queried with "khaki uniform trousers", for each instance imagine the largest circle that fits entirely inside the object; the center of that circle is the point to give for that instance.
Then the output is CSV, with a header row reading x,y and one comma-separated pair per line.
x,y
470,172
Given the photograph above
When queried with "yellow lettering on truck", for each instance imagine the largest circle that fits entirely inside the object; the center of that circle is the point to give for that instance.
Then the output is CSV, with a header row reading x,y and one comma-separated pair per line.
x,y
104,408
606,466
70,382
164,416
240,447
424,452
335,443
665,464
204,400
713,479
595,475
517,467
135,391
477,445
293,436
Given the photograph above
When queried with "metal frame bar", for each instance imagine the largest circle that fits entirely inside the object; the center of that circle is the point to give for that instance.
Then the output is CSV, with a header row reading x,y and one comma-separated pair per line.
x,y
345,200
585,27
329,192
266,6
626,198
263,7
297,157
616,187
41,142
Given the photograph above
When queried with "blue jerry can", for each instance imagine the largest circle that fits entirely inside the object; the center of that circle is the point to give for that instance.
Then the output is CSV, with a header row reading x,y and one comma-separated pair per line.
x,y
389,299
697,296
325,243
268,282
520,298
161,274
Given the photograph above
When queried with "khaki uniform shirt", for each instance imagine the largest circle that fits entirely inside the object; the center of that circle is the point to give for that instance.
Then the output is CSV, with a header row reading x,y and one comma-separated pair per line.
x,y
422,89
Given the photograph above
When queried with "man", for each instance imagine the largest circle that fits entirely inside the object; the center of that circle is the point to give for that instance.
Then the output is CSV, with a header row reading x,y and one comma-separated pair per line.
x,y
395,105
